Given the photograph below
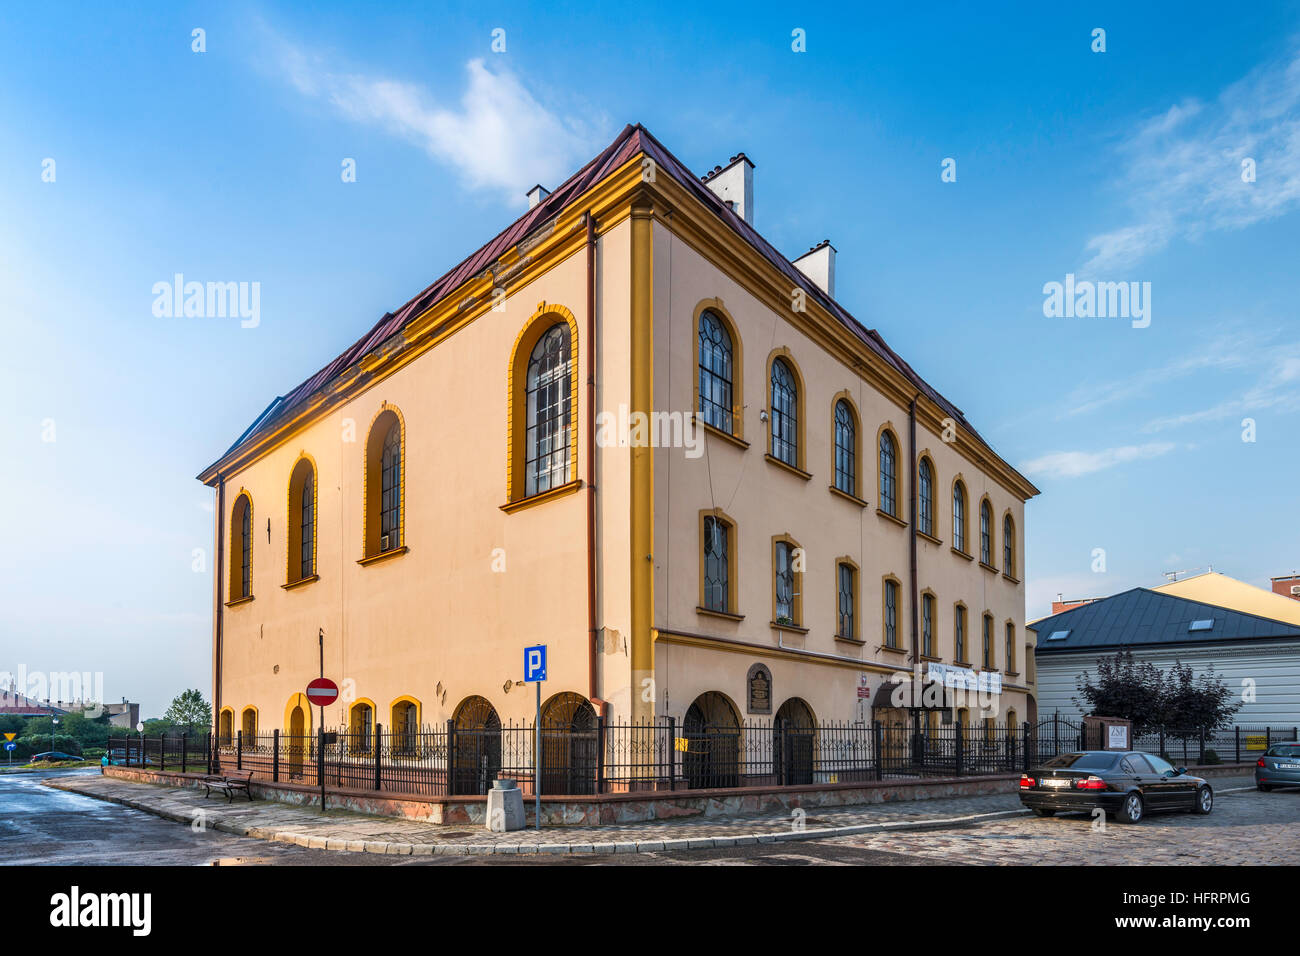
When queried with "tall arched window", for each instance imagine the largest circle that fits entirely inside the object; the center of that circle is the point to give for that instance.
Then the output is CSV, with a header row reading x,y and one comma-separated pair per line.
x,y
301,522
361,727
549,389
846,449
785,414
248,726
1008,546
888,474
987,655
386,484
959,633
717,584
715,367
891,612
241,548
787,582
959,517
986,533
925,498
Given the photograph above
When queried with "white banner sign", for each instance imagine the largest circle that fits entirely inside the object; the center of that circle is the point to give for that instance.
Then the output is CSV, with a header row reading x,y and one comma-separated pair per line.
x,y
985,682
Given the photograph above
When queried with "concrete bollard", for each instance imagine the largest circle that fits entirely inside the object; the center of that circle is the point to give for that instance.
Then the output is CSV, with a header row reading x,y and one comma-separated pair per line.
x,y
505,807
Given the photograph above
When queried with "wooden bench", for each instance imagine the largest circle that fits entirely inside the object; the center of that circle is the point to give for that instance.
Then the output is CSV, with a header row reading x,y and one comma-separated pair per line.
x,y
228,784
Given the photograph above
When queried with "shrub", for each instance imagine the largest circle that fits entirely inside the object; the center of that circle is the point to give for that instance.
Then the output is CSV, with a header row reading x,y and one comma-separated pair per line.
x,y
1212,757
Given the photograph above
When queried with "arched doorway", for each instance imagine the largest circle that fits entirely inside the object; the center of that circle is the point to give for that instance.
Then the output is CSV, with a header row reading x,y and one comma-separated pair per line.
x,y
794,733
568,745
712,733
476,751
296,746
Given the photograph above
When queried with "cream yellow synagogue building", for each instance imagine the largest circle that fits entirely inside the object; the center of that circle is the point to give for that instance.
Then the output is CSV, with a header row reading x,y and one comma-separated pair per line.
x,y
631,430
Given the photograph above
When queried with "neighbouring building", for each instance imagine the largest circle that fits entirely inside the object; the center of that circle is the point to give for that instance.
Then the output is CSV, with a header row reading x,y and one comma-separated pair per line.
x,y
1249,652
630,429
1287,585
1214,587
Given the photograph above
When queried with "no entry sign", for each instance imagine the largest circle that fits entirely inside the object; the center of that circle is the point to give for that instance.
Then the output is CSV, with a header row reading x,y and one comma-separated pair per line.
x,y
322,692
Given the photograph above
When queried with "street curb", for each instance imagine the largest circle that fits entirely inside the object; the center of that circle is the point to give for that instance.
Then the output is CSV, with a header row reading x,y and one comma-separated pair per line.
x,y
625,846
585,848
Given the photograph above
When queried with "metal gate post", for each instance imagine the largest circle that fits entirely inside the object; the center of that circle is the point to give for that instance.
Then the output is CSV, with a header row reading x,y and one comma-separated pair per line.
x,y
451,757
239,749
275,755
600,755
877,742
379,737
672,752
1236,733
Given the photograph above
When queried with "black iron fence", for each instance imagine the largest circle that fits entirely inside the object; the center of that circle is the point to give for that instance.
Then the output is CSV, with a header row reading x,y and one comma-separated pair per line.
x,y
656,756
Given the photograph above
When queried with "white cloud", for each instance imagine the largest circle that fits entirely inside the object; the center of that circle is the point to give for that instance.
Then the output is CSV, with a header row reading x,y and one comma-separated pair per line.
x,y
1183,168
1277,389
1073,464
498,138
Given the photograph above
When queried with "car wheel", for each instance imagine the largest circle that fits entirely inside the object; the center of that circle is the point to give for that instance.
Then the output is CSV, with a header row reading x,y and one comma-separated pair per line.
x,y
1204,800
1044,812
1263,787
1131,810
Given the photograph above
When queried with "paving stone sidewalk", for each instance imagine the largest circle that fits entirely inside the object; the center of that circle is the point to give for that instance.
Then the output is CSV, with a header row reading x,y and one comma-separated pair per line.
x,y
348,831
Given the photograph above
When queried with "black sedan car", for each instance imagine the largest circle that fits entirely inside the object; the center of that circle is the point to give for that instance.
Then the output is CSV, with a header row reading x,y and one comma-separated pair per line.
x,y
1126,785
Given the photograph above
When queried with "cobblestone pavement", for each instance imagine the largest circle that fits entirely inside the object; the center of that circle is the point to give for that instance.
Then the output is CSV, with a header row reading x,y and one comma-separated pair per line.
x,y
345,830
1246,827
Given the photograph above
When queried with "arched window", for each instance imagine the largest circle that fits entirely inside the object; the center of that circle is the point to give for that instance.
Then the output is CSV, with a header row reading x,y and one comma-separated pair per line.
x,y
847,600
988,658
548,400
959,634
225,727
1011,648
405,725
927,625
787,576
925,497
959,516
891,612
715,367
241,548
1008,546
302,522
248,726
785,414
888,474
386,484
846,449
717,587
986,533
361,727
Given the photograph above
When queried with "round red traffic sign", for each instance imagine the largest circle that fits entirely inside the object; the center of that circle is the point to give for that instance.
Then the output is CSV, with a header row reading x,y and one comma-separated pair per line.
x,y
322,692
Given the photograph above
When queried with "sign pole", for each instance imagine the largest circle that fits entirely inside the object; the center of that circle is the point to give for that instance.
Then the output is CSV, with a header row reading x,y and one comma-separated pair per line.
x,y
320,762
537,762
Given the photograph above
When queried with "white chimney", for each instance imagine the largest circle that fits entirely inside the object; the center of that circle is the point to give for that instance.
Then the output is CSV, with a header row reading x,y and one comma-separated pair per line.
x,y
818,264
536,195
734,185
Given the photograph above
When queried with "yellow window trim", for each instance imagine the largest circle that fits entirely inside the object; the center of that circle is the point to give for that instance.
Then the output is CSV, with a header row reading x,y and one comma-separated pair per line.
x,y
733,563
372,496
800,411
234,580
900,482
293,524
539,323
796,602
856,636
899,615
737,434
559,491
844,395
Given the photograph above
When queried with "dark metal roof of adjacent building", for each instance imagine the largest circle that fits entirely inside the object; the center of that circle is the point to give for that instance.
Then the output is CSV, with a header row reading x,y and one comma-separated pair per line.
x,y
632,141
1145,618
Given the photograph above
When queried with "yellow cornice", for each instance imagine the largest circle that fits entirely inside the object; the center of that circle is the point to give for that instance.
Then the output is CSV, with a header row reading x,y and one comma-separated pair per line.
x,y
611,201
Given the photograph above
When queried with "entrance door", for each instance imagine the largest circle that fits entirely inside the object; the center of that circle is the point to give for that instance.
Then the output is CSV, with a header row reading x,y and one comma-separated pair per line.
x,y
297,740
793,739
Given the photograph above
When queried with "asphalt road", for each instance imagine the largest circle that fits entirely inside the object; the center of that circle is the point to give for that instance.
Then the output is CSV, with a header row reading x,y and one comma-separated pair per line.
x,y
40,825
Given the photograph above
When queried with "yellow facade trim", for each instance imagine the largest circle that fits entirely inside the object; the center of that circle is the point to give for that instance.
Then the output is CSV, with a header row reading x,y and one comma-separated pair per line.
x,y
641,362
846,397
234,581
797,559
733,562
769,651
297,700
855,596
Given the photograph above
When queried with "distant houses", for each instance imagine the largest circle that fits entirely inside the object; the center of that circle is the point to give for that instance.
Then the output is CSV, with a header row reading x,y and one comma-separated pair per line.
x,y
1211,621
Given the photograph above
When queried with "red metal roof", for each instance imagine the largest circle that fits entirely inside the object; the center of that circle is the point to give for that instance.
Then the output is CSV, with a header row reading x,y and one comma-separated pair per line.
x,y
631,141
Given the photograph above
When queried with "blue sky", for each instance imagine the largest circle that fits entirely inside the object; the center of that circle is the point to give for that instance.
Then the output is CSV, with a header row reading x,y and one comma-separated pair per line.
x,y
225,165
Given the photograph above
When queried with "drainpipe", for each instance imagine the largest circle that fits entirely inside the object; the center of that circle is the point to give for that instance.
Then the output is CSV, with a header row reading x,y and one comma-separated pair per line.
x,y
592,635
220,565
916,646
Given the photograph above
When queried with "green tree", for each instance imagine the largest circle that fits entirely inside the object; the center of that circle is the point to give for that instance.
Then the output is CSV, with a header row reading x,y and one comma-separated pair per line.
x,y
1124,687
1194,703
188,710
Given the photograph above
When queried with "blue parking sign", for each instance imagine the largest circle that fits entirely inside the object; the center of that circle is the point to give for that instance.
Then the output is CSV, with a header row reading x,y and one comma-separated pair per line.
x,y
535,663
